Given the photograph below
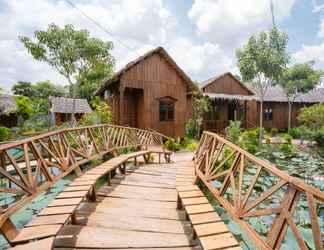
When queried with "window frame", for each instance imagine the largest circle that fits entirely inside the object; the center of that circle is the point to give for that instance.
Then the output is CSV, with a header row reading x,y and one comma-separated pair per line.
x,y
268,113
169,109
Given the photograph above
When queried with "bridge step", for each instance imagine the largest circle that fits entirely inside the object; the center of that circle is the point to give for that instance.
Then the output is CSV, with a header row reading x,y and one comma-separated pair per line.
x,y
49,220
44,244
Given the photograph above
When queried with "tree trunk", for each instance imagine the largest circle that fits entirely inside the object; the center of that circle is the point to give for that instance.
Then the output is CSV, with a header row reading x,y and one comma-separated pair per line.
x,y
289,116
261,123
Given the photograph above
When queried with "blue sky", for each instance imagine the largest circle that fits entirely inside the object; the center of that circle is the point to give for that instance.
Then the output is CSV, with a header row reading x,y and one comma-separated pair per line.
x,y
201,35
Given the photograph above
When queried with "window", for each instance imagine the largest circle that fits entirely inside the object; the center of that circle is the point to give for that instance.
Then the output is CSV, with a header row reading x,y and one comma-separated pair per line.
x,y
268,114
167,109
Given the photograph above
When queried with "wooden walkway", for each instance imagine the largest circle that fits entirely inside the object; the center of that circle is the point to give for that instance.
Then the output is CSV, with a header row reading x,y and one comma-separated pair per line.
x,y
139,210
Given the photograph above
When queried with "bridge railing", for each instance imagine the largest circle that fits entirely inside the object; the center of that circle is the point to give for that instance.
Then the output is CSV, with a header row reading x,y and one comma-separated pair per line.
x,y
30,166
263,200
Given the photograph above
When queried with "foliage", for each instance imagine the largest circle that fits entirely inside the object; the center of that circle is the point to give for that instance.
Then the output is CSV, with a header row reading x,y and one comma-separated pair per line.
x,y
5,134
287,149
191,128
318,136
172,144
287,138
101,115
261,61
201,105
84,61
23,89
297,79
249,140
274,131
189,144
233,131
295,133
312,117
24,109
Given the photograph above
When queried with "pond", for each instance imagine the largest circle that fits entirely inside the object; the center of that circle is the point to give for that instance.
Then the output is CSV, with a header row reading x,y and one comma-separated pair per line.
x,y
305,165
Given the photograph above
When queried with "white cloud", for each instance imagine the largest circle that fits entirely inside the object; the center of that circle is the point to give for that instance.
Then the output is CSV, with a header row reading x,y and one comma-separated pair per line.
x,y
311,53
230,22
200,60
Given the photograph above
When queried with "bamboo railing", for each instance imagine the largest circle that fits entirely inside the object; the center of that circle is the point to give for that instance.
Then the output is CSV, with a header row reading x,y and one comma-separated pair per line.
x,y
30,166
250,188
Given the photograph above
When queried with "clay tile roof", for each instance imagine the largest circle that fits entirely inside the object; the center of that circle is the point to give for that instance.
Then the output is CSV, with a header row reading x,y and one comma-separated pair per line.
x,y
7,104
159,50
65,105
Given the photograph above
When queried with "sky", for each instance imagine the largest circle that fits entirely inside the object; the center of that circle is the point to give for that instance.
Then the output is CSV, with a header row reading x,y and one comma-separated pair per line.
x,y
201,35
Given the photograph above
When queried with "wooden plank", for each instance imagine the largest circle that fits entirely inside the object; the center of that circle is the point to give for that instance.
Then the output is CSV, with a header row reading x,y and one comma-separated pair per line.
x,y
191,194
48,220
78,194
210,229
188,188
204,218
148,212
198,209
65,202
57,210
77,188
219,241
134,223
194,201
94,237
44,244
81,183
39,232
141,184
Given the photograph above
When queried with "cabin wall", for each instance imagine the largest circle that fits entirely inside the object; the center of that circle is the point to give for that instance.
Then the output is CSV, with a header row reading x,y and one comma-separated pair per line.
x,y
226,85
280,114
157,78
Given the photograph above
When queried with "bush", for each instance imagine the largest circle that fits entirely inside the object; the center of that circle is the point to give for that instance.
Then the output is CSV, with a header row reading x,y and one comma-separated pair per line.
x,y
192,146
5,134
250,140
172,144
295,133
233,131
287,149
312,117
318,136
191,128
274,131
101,115
287,138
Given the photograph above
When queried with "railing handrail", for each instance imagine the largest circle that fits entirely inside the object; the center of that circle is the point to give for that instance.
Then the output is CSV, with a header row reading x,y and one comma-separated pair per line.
x,y
213,163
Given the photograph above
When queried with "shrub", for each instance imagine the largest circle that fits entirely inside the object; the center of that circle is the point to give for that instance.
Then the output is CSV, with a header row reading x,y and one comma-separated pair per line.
x,y
274,131
312,117
268,140
172,144
250,140
233,131
287,149
191,128
287,138
318,136
192,146
295,133
101,115
5,134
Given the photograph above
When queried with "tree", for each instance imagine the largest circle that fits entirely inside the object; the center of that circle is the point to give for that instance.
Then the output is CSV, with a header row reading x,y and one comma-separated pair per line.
x,y
45,89
201,105
297,79
73,53
261,62
24,109
23,89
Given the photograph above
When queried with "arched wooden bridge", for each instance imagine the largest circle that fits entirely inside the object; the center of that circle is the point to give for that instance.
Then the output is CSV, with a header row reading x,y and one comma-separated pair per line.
x,y
154,203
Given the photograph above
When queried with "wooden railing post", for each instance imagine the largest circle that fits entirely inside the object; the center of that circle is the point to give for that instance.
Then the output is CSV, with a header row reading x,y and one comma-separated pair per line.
x,y
9,230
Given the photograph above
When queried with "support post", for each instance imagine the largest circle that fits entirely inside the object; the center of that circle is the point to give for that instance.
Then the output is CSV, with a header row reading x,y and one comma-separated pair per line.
x,y
121,105
9,230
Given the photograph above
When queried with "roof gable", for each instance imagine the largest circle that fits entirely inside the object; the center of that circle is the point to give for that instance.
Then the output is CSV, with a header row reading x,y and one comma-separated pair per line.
x,y
160,51
226,83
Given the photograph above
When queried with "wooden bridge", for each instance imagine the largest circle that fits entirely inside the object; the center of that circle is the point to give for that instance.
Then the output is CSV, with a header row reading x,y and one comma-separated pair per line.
x,y
154,203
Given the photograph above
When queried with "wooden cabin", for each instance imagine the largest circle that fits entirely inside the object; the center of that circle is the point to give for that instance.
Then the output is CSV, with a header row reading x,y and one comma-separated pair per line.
x,y
62,108
8,116
229,98
233,100
276,109
151,92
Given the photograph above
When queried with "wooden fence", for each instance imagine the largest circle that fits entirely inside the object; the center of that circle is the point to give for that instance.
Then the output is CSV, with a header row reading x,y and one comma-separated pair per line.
x,y
30,166
250,188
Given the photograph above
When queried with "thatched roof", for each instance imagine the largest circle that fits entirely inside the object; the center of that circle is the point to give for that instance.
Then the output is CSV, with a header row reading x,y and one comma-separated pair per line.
x,y
159,50
277,94
7,104
65,105
218,96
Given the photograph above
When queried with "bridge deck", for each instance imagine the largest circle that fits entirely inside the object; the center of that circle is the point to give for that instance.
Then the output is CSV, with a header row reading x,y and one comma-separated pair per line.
x,y
139,210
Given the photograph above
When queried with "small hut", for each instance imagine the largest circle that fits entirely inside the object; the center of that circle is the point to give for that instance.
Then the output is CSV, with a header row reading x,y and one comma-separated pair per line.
x,y
62,108
8,117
